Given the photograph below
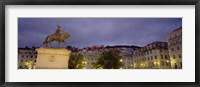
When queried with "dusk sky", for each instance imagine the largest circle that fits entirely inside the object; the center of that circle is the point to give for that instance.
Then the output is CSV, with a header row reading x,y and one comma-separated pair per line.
x,y
97,31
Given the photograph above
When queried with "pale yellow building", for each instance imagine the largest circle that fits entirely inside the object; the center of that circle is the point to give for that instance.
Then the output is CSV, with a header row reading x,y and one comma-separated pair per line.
x,y
90,57
26,58
175,48
153,56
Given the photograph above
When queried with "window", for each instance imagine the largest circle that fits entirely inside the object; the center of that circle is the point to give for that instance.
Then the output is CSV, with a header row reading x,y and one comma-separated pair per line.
x,y
148,58
175,35
179,55
35,56
22,56
175,66
149,64
165,56
178,48
26,56
35,60
21,60
151,58
181,64
31,56
172,49
167,64
161,56
155,57
174,57
163,64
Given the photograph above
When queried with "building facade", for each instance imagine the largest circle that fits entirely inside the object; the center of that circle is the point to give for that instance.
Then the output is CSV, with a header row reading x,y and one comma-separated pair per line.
x,y
90,56
175,48
26,58
153,56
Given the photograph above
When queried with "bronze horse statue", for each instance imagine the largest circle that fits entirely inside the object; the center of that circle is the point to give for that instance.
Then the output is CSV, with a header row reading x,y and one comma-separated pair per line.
x,y
53,37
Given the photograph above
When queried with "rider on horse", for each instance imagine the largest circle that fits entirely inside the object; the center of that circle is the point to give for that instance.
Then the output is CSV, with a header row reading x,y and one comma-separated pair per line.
x,y
57,32
57,36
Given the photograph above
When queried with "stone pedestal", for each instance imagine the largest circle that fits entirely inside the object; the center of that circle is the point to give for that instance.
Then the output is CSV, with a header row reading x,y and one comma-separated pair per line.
x,y
52,58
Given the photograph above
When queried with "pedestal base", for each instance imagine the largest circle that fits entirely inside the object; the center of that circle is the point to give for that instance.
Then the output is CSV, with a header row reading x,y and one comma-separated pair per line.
x,y
52,58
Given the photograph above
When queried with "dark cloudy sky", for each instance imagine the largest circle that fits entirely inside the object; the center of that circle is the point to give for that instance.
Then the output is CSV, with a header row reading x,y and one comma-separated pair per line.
x,y
97,31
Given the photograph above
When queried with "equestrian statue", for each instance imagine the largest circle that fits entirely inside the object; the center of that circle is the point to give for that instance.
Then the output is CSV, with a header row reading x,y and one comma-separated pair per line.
x,y
57,36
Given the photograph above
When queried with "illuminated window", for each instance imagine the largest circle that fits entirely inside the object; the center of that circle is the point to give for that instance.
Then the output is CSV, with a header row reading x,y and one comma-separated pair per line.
x,y
167,63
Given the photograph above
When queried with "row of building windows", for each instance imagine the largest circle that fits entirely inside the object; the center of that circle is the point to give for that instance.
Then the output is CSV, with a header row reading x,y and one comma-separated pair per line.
x,y
155,45
179,56
176,66
175,36
177,48
28,52
27,60
149,52
28,56
153,64
151,58
174,43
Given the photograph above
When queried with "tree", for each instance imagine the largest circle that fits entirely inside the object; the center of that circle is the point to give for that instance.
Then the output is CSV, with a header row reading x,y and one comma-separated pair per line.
x,y
76,61
110,60
95,65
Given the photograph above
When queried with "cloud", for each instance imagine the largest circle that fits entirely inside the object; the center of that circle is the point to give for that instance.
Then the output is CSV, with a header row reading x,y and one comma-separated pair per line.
x,y
97,31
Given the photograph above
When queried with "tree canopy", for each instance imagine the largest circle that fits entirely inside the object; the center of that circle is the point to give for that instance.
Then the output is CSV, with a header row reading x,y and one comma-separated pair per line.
x,y
76,61
110,60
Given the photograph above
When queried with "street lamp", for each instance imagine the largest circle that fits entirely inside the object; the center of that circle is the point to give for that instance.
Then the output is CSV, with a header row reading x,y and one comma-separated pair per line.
x,y
167,61
120,60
